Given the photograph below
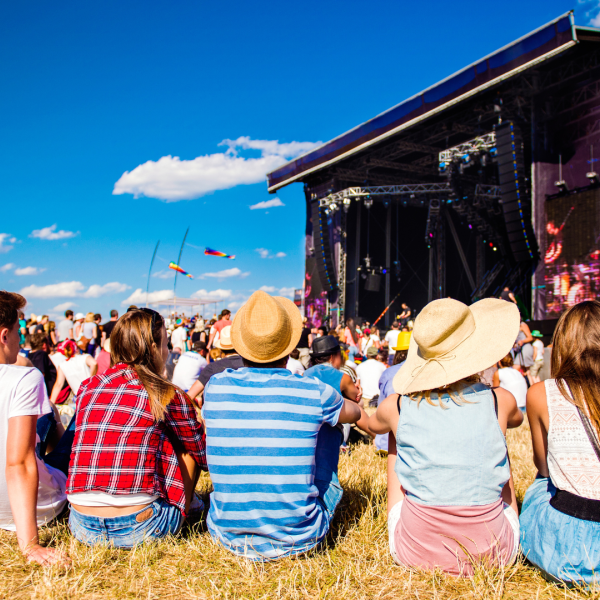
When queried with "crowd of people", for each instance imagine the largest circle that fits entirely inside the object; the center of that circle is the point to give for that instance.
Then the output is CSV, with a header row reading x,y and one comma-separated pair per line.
x,y
113,423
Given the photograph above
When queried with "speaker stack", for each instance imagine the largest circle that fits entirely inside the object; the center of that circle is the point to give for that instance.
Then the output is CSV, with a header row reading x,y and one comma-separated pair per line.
x,y
323,253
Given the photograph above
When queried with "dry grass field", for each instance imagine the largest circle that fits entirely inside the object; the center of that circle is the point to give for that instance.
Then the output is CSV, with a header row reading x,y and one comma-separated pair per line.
x,y
354,563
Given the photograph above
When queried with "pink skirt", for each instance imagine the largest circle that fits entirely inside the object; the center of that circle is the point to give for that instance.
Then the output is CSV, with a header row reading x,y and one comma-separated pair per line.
x,y
453,538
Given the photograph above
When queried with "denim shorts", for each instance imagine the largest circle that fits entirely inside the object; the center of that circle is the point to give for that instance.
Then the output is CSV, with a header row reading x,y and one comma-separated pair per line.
x,y
153,521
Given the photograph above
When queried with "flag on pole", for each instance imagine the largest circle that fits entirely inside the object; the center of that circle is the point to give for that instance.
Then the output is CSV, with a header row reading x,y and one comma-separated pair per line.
x,y
177,268
210,252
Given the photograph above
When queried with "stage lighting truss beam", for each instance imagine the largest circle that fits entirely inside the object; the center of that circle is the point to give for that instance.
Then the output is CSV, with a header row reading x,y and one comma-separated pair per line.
x,y
481,143
336,200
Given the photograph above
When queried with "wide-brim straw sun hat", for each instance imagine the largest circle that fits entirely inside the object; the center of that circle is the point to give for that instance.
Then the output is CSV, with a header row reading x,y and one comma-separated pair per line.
x,y
224,341
266,328
451,341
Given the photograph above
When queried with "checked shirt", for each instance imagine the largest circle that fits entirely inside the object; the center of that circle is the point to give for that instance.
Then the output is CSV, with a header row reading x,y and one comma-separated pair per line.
x,y
119,448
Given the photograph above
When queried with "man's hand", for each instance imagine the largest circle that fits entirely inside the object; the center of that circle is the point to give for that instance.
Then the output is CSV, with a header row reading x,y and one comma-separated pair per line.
x,y
360,392
46,556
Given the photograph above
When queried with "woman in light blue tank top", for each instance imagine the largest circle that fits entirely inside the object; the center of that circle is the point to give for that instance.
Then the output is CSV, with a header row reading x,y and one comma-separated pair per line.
x,y
451,501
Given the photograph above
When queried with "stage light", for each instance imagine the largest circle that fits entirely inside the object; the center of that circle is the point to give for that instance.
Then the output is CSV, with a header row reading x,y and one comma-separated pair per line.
x,y
491,245
384,271
443,167
562,186
495,248
470,226
593,177
368,202
466,158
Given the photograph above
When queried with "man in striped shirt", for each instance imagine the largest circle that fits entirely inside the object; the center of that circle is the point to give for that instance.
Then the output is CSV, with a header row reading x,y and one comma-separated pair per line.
x,y
271,440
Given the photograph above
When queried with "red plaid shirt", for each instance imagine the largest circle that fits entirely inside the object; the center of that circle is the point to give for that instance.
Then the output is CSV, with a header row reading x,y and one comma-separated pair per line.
x,y
119,448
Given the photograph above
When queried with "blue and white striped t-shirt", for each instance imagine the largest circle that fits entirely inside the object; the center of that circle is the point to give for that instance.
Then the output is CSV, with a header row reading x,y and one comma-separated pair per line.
x,y
261,436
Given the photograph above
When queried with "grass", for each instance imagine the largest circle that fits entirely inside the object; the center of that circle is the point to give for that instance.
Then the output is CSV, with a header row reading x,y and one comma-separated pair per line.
x,y
354,563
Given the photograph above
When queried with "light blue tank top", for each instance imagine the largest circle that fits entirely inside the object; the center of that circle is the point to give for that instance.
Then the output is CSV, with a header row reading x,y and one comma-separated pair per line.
x,y
453,455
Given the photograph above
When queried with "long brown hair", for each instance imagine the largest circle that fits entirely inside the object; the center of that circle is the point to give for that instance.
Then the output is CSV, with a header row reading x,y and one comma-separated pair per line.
x,y
352,327
576,358
136,341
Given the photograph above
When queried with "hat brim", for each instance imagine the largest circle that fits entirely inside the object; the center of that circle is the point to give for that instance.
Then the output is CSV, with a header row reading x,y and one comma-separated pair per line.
x,y
237,337
496,328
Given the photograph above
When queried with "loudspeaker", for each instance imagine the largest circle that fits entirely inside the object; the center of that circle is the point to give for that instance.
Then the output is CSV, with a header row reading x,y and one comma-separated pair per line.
x,y
323,253
516,205
373,283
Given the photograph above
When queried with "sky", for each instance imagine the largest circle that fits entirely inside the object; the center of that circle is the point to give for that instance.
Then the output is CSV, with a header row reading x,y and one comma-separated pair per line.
x,y
124,123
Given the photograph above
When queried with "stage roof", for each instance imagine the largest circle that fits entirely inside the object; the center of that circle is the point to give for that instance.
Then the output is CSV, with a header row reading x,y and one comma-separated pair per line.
x,y
532,49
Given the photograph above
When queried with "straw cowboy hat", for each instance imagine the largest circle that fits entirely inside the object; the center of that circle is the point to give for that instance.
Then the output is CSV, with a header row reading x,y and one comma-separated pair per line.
x,y
224,341
266,328
451,341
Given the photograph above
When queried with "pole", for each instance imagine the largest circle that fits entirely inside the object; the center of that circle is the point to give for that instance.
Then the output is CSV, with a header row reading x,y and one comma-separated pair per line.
x,y
357,259
386,309
150,271
178,262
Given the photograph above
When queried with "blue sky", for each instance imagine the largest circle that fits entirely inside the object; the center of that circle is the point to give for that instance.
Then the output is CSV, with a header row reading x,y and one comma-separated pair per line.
x,y
102,97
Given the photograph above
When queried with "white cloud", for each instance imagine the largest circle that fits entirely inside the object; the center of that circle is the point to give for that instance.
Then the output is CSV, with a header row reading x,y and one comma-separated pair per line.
x,y
595,21
234,272
168,274
4,238
287,291
7,267
29,271
268,288
267,204
139,296
95,291
235,305
172,179
64,306
72,289
264,253
50,233
213,294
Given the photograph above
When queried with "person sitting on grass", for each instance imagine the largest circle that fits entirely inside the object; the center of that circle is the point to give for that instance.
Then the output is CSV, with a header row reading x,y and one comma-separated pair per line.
x,y
271,440
560,517
32,493
138,447
451,499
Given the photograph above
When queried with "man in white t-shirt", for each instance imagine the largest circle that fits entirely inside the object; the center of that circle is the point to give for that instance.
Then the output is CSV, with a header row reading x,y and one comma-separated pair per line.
x,y
189,366
179,337
31,492
369,373
391,341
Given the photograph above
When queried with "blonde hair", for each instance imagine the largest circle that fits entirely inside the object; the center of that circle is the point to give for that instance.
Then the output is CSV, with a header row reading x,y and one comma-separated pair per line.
x,y
135,342
454,390
215,353
89,318
576,358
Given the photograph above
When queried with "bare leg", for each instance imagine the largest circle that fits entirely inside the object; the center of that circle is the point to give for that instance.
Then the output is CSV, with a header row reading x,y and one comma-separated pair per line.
x,y
508,494
395,491
190,473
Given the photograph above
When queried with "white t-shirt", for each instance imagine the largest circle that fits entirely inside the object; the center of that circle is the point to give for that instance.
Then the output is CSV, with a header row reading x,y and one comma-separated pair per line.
x,y
188,369
512,381
178,337
23,393
369,373
391,337
368,342
76,371
295,366
539,345
63,329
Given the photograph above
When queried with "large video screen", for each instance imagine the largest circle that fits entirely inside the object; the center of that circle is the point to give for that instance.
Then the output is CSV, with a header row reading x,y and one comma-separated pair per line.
x,y
572,258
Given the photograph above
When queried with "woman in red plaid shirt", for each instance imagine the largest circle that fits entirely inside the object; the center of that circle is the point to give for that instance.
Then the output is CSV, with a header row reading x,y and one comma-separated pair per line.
x,y
138,448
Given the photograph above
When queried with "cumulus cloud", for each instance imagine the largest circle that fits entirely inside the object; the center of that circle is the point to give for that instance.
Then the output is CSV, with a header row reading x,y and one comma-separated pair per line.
x,y
226,273
139,296
235,305
264,253
168,274
29,271
267,204
268,288
50,233
7,267
6,241
172,179
64,306
72,289
287,291
213,294
284,291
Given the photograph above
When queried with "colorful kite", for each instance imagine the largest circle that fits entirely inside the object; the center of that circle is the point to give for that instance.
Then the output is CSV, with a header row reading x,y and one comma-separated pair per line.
x,y
177,268
210,252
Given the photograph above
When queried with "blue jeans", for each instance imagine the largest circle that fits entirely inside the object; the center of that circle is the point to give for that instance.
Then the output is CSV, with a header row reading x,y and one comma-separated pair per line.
x,y
60,456
327,457
153,521
353,352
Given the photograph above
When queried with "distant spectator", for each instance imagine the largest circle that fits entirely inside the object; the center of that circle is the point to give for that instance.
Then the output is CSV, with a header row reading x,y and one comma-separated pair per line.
x,y
65,327
108,327
40,348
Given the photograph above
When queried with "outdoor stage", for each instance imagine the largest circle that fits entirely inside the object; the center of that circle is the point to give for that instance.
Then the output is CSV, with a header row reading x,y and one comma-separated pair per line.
x,y
483,180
